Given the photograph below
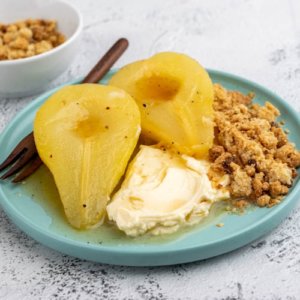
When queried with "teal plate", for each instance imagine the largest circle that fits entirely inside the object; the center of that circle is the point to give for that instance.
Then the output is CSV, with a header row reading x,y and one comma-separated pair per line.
x,y
34,206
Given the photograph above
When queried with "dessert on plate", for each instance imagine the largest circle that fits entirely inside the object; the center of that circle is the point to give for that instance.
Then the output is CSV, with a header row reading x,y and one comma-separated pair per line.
x,y
153,150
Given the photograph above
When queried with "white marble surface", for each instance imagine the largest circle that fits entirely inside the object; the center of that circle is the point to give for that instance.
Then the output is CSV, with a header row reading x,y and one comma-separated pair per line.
x,y
259,40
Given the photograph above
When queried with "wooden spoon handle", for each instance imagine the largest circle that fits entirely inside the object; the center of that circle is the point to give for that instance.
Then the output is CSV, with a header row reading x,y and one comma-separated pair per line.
x,y
107,61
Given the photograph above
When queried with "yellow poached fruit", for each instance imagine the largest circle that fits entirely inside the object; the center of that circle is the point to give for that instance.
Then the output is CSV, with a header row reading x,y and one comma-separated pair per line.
x,y
85,134
175,96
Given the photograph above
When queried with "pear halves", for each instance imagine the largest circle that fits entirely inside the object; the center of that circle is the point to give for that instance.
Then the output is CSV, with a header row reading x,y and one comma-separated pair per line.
x,y
175,97
85,134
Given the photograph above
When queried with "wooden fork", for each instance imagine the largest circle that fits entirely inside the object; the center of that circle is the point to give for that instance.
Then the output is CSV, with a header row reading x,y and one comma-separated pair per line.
x,y
25,153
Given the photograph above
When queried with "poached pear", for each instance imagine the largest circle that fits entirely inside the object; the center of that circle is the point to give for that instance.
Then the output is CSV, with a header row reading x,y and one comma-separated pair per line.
x,y
85,134
175,96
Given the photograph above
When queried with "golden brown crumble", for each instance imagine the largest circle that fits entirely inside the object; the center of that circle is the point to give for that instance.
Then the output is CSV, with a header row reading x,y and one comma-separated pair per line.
x,y
240,203
28,38
252,148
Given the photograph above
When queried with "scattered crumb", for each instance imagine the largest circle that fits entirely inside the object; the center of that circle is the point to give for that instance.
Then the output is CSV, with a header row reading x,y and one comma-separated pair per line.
x,y
240,203
220,224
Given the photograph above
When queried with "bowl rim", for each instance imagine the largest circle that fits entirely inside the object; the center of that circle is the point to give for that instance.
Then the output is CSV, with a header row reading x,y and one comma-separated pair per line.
x,y
73,37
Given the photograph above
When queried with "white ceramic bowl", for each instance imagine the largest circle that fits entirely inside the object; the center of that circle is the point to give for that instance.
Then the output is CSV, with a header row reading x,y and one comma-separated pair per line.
x,y
27,76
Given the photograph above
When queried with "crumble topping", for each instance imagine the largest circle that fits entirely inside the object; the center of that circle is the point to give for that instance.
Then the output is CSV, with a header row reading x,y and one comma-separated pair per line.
x,y
28,38
252,148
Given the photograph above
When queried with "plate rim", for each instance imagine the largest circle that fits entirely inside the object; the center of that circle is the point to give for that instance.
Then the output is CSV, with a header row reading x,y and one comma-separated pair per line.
x,y
129,250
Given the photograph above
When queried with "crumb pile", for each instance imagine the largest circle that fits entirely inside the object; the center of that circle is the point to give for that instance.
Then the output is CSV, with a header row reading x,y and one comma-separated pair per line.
x,y
28,38
252,148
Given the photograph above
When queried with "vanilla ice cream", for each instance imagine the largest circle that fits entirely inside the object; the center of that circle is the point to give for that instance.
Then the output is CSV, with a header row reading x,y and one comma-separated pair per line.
x,y
163,191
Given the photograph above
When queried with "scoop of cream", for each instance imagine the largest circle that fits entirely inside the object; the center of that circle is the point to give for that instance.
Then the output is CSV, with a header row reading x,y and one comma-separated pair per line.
x,y
163,191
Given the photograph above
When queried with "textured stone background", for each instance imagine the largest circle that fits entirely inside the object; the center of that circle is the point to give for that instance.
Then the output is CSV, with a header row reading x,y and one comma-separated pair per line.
x,y
259,40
